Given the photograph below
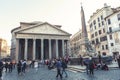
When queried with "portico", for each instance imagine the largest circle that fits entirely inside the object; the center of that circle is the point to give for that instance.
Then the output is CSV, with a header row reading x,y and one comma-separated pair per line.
x,y
45,44
31,49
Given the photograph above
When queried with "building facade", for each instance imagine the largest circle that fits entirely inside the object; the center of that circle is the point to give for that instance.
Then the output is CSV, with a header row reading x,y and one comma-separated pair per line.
x,y
113,30
75,43
8,51
38,40
103,32
3,48
98,29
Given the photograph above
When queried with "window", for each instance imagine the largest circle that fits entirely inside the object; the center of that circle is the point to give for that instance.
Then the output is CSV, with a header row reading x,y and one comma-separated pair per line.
x,y
97,41
93,42
92,35
94,22
112,44
101,39
99,31
118,17
106,46
102,23
110,29
98,19
99,24
101,17
91,28
102,47
90,25
109,22
96,34
104,38
110,37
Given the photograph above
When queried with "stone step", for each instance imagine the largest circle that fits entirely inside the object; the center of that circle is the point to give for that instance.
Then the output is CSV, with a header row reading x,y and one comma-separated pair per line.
x,y
76,69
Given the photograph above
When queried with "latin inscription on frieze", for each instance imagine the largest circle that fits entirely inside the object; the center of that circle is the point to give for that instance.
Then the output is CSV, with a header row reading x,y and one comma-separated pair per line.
x,y
41,36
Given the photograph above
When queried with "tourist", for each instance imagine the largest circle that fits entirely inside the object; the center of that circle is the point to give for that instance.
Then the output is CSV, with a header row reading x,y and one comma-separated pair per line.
x,y
64,66
24,65
6,66
86,63
58,66
99,57
81,60
105,67
1,68
10,66
36,65
118,61
19,66
91,67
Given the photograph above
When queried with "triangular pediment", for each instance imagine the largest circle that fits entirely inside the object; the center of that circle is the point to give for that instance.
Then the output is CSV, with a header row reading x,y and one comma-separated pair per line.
x,y
44,28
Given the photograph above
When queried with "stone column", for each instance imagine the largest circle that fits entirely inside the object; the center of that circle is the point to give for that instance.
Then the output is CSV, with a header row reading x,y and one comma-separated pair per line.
x,y
56,48
66,47
50,55
63,48
42,51
17,50
34,49
26,49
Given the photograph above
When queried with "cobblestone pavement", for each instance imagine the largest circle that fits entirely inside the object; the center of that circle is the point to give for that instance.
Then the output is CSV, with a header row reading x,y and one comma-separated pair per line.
x,y
45,74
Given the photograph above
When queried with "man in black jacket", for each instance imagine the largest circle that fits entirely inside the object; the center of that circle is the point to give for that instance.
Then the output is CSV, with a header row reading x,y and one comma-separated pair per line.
x,y
64,66
1,68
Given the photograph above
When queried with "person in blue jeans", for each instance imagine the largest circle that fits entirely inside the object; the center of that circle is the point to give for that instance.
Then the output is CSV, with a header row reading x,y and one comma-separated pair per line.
x,y
87,65
59,66
64,66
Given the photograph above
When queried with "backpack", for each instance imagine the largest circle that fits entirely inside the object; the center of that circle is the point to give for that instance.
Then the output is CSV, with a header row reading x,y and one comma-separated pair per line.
x,y
64,65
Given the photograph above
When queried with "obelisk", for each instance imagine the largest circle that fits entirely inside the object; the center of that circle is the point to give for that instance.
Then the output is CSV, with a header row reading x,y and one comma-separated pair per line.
x,y
84,49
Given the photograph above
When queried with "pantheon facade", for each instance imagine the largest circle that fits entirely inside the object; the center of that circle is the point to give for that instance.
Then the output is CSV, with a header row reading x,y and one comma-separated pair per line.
x,y
38,40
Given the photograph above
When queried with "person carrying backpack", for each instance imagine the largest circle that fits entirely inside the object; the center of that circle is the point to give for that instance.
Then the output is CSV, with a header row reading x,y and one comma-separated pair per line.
x,y
64,66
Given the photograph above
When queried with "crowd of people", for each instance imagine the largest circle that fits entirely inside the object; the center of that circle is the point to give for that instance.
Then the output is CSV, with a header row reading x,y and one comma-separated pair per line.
x,y
7,65
92,65
23,65
60,64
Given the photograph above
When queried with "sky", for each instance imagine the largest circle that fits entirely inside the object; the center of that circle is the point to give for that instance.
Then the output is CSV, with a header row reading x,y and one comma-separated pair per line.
x,y
58,12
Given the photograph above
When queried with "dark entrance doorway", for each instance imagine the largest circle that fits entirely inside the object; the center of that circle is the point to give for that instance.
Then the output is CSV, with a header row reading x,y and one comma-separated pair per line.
x,y
38,49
